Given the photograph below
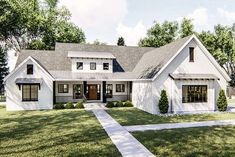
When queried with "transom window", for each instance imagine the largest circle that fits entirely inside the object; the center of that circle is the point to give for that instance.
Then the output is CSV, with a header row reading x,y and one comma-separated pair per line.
x,y
92,66
120,88
194,93
109,90
191,54
63,88
29,69
30,92
105,66
79,65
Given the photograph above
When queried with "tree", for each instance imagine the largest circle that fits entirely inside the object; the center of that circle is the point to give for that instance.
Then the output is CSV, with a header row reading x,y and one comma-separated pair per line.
x,y
97,42
36,24
163,102
186,28
222,101
160,34
121,41
3,66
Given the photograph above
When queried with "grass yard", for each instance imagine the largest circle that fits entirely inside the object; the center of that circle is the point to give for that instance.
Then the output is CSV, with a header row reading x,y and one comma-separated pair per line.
x,y
205,141
133,116
53,133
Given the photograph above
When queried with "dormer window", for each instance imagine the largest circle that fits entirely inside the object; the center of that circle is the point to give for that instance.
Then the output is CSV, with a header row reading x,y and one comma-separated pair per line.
x,y
79,65
92,66
30,69
105,66
191,54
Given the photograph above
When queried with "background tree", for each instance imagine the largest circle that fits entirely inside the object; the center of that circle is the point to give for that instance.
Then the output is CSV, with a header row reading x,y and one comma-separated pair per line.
x,y
186,28
97,42
121,41
160,34
3,66
36,24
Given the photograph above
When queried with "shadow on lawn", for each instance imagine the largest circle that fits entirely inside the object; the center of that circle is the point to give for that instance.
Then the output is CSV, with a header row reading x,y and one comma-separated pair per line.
x,y
53,133
206,141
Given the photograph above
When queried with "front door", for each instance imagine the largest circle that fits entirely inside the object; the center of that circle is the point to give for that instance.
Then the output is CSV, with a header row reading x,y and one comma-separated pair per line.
x,y
92,92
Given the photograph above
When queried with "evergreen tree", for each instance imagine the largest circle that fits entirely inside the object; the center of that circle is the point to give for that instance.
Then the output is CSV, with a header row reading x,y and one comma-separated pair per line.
x,y
163,102
222,103
121,41
3,66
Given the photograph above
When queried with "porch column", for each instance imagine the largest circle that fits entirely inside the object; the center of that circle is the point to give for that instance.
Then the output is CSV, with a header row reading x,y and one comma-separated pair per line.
x,y
104,91
54,98
84,88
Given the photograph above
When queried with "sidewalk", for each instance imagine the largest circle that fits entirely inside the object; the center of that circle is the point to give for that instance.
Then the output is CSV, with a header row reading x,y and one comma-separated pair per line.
x,y
179,125
127,145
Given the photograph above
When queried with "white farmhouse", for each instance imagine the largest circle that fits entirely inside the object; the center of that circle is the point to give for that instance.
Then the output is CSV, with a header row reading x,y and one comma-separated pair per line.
x,y
101,73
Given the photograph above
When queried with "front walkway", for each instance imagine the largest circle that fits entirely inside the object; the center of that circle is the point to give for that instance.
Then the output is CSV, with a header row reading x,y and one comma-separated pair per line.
x,y
127,145
179,125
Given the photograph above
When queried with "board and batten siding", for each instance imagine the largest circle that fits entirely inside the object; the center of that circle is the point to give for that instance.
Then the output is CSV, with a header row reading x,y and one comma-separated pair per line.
x,y
14,94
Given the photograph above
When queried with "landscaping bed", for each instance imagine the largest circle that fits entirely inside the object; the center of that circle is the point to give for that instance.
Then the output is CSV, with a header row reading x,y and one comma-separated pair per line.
x,y
134,116
204,141
53,133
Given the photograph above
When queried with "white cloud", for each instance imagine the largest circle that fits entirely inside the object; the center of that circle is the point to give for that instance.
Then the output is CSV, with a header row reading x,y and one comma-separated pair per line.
x,y
199,17
98,14
226,15
132,35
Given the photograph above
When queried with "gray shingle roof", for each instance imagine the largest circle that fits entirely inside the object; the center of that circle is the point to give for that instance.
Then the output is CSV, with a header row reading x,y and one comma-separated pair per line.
x,y
152,62
85,54
135,62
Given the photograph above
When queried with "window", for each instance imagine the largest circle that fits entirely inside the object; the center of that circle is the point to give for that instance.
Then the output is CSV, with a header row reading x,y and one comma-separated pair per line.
x,y
194,93
63,88
77,91
109,90
120,88
191,54
79,65
29,69
105,66
30,92
92,66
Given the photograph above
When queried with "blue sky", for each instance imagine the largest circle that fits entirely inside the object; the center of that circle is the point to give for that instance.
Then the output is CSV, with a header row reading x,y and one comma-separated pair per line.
x,y
107,19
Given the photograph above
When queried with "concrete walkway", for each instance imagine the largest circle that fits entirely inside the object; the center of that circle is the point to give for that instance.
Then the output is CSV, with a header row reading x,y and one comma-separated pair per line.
x,y
179,125
127,145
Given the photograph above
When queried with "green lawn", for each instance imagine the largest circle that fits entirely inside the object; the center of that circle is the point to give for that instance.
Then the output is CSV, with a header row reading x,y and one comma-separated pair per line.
x,y
53,133
205,141
133,116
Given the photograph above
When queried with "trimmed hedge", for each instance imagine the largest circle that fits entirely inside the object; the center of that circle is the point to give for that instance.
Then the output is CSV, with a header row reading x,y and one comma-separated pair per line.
x,y
128,104
163,102
111,104
69,105
59,106
222,103
79,104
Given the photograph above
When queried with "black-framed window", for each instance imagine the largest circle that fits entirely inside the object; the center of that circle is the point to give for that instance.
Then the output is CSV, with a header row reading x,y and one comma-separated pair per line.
x,y
92,66
79,65
63,88
77,91
120,88
30,92
105,66
194,93
30,69
191,54
109,90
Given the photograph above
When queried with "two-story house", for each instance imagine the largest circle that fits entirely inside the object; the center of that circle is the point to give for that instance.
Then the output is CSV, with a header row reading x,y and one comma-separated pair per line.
x,y
101,73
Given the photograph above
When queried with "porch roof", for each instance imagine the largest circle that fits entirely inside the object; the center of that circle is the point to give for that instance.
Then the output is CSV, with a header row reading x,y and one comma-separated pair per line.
x,y
69,75
193,76
28,81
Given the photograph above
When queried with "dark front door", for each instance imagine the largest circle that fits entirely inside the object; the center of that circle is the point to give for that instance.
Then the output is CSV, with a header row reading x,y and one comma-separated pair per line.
x,y
92,92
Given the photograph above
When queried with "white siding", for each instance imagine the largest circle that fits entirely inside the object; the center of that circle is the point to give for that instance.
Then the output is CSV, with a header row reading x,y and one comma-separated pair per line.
x,y
86,65
14,95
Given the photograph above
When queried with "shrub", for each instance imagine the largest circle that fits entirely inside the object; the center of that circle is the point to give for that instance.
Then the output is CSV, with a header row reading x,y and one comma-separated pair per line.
x,y
59,106
69,105
222,101
119,104
79,104
110,104
163,102
128,104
